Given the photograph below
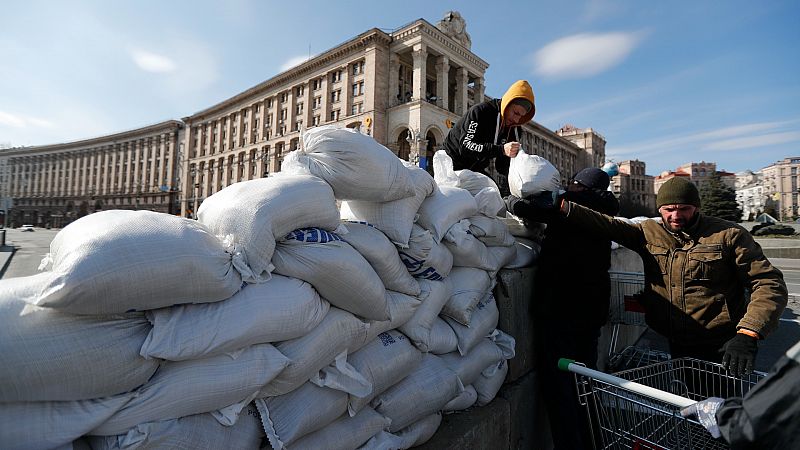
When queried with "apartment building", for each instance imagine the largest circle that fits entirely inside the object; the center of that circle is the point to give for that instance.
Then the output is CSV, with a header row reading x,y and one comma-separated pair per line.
x,y
634,185
780,185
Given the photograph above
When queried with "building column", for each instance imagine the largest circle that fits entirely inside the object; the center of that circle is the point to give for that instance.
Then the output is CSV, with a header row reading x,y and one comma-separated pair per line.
x,y
461,91
347,91
442,81
420,65
480,88
394,79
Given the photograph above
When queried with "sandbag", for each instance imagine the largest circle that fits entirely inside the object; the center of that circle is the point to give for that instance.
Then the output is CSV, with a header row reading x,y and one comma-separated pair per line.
x,y
183,388
446,206
413,435
336,270
383,362
469,367
345,432
52,355
46,425
467,287
425,256
423,392
527,253
466,249
432,299
257,212
531,175
396,217
492,231
463,401
355,165
118,261
339,331
502,257
308,408
282,308
382,255
401,308
443,339
198,431
483,321
487,387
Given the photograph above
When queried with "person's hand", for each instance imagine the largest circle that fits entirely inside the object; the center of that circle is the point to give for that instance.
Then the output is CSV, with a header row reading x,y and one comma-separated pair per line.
x,y
511,149
518,206
706,413
547,200
740,354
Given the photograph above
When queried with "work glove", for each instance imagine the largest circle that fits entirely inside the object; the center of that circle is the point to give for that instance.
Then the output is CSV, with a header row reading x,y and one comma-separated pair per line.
x,y
706,413
740,354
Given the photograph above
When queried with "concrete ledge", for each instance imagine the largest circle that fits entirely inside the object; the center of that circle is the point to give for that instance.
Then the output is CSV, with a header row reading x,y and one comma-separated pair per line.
x,y
782,252
513,297
485,427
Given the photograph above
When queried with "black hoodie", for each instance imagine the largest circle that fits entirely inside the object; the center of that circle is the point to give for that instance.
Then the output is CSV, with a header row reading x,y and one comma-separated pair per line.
x,y
475,139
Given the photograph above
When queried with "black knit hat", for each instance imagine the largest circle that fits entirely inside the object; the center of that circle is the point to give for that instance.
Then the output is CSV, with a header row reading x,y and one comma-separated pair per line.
x,y
592,178
678,191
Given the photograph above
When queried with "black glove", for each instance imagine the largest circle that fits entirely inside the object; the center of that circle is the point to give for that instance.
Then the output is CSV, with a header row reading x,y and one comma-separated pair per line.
x,y
517,206
740,354
547,200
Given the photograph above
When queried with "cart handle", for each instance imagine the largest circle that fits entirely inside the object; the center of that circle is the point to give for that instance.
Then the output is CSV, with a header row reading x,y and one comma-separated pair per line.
x,y
569,365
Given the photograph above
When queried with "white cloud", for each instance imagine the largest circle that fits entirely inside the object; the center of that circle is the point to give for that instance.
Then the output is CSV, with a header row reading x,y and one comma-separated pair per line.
x,y
20,121
755,141
584,55
294,61
152,62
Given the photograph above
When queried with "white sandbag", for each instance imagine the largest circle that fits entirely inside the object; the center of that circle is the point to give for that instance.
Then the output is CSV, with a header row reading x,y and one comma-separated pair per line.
x,y
396,217
382,255
413,435
118,261
191,432
505,342
463,401
432,299
487,387
46,425
308,408
257,212
490,202
426,257
466,249
469,367
282,308
502,257
492,231
339,331
355,165
443,171
532,174
443,339
467,287
483,321
183,388
446,206
527,253
336,270
345,432
423,392
52,355
474,182
401,308
383,362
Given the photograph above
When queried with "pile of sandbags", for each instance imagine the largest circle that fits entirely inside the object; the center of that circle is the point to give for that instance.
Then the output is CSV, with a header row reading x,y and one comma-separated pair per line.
x,y
276,317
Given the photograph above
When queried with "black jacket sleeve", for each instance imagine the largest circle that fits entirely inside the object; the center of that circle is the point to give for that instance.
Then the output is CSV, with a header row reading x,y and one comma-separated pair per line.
x,y
769,414
470,143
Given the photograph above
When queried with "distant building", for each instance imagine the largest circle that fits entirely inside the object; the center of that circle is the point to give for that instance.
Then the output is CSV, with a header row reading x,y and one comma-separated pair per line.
x,y
405,88
697,173
750,194
632,183
780,185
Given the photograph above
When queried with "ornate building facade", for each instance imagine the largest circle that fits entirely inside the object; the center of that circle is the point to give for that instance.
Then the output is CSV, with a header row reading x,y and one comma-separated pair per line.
x,y
405,88
634,185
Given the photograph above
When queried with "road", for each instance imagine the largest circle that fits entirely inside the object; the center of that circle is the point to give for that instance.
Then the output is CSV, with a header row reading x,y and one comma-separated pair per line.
x,y
32,246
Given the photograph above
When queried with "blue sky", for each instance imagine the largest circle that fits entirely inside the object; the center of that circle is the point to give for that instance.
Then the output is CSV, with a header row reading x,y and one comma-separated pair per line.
x,y
664,82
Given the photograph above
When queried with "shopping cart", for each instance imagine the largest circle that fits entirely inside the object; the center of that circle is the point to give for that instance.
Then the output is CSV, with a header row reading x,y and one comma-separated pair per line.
x,y
640,408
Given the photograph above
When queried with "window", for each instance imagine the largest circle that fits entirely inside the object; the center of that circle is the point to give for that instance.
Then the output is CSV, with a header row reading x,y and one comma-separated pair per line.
x,y
317,84
283,114
257,107
315,120
298,125
317,102
299,109
283,97
358,88
336,95
268,120
336,76
269,103
299,90
357,108
335,114
358,68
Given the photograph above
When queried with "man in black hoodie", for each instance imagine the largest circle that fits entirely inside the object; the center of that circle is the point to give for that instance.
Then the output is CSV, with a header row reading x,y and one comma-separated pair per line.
x,y
489,131
570,301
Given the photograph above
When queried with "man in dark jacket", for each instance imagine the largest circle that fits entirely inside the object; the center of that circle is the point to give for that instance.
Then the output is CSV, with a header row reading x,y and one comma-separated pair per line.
x,y
571,301
768,417
489,131
698,272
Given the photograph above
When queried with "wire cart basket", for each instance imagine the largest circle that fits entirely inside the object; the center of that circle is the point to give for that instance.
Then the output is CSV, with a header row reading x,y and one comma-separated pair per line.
x,y
640,408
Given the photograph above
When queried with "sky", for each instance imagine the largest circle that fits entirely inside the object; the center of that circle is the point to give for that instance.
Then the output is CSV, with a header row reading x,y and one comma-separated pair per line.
x,y
663,82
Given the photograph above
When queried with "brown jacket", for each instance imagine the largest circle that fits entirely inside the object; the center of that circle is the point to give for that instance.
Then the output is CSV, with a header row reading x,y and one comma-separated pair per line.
x,y
696,280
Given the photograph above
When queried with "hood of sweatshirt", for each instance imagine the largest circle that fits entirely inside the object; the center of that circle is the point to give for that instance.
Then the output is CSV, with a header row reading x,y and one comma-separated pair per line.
x,y
520,89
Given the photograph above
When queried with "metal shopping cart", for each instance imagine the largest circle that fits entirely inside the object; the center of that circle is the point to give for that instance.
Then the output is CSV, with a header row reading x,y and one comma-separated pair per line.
x,y
625,309
640,408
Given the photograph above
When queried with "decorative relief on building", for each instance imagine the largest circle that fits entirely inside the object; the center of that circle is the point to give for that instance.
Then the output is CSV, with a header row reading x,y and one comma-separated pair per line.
x,y
454,26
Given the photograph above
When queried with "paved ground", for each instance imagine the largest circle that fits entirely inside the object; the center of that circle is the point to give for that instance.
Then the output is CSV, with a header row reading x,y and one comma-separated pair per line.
x,y
32,246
